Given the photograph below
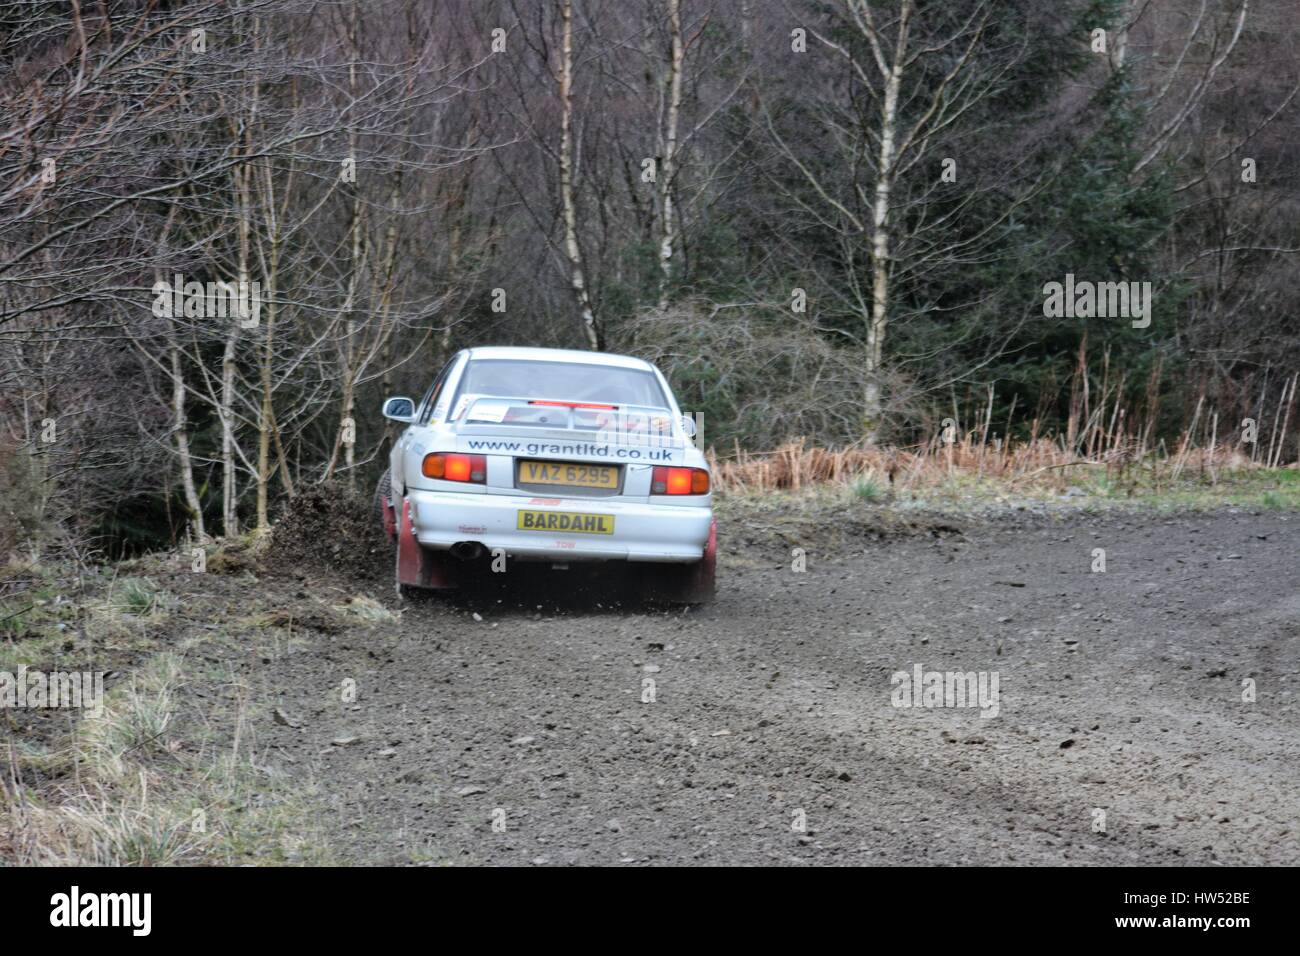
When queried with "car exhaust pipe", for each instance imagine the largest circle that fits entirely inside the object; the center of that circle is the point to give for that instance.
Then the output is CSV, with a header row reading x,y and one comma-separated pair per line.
x,y
467,550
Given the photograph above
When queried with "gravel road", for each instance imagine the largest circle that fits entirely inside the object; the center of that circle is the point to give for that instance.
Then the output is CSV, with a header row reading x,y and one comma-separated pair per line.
x,y
503,727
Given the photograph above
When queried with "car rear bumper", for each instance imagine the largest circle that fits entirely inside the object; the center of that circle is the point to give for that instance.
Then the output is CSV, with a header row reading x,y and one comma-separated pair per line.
x,y
641,531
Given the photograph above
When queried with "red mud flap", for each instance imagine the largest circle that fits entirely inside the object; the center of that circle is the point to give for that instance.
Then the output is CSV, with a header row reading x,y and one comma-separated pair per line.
x,y
417,566
701,587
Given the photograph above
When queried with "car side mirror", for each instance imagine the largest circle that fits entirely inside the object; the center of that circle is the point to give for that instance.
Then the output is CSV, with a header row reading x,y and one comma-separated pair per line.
x,y
400,410
688,425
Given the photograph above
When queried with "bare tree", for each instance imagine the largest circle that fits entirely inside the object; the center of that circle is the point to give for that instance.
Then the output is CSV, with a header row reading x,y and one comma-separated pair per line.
x,y
914,56
668,173
577,277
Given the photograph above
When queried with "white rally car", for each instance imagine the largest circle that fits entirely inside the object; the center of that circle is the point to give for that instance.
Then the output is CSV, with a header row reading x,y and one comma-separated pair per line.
x,y
548,455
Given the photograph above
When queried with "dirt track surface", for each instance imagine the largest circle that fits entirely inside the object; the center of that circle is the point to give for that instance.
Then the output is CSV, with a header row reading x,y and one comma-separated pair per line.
x,y
1119,692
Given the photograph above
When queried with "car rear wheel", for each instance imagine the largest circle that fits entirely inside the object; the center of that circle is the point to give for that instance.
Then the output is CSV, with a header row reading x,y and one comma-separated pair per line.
x,y
686,583
384,514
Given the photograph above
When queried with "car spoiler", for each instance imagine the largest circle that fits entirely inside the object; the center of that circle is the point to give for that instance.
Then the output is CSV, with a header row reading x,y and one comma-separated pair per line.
x,y
618,424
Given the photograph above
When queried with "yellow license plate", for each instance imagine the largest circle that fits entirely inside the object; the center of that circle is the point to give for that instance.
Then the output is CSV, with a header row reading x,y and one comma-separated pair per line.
x,y
565,522
560,473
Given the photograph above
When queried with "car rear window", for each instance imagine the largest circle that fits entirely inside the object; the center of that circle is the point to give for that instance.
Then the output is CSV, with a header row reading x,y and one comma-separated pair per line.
x,y
561,381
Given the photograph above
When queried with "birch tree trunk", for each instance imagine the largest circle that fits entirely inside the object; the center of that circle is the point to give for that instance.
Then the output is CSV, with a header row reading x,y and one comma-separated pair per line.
x,y
880,229
266,416
577,277
230,354
229,359
347,425
226,412
669,170
180,424
180,428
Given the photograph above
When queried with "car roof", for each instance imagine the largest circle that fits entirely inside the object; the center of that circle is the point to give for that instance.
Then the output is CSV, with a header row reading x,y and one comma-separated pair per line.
x,y
520,354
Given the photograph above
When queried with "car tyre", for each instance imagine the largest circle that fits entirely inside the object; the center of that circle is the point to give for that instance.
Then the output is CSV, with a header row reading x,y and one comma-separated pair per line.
x,y
385,516
686,583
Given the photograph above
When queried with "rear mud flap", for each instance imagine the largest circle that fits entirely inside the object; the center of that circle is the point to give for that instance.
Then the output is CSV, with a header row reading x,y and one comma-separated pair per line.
x,y
683,583
417,566
703,584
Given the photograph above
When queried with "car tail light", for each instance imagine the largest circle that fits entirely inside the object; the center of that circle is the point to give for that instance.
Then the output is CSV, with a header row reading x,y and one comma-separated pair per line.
x,y
679,481
450,466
